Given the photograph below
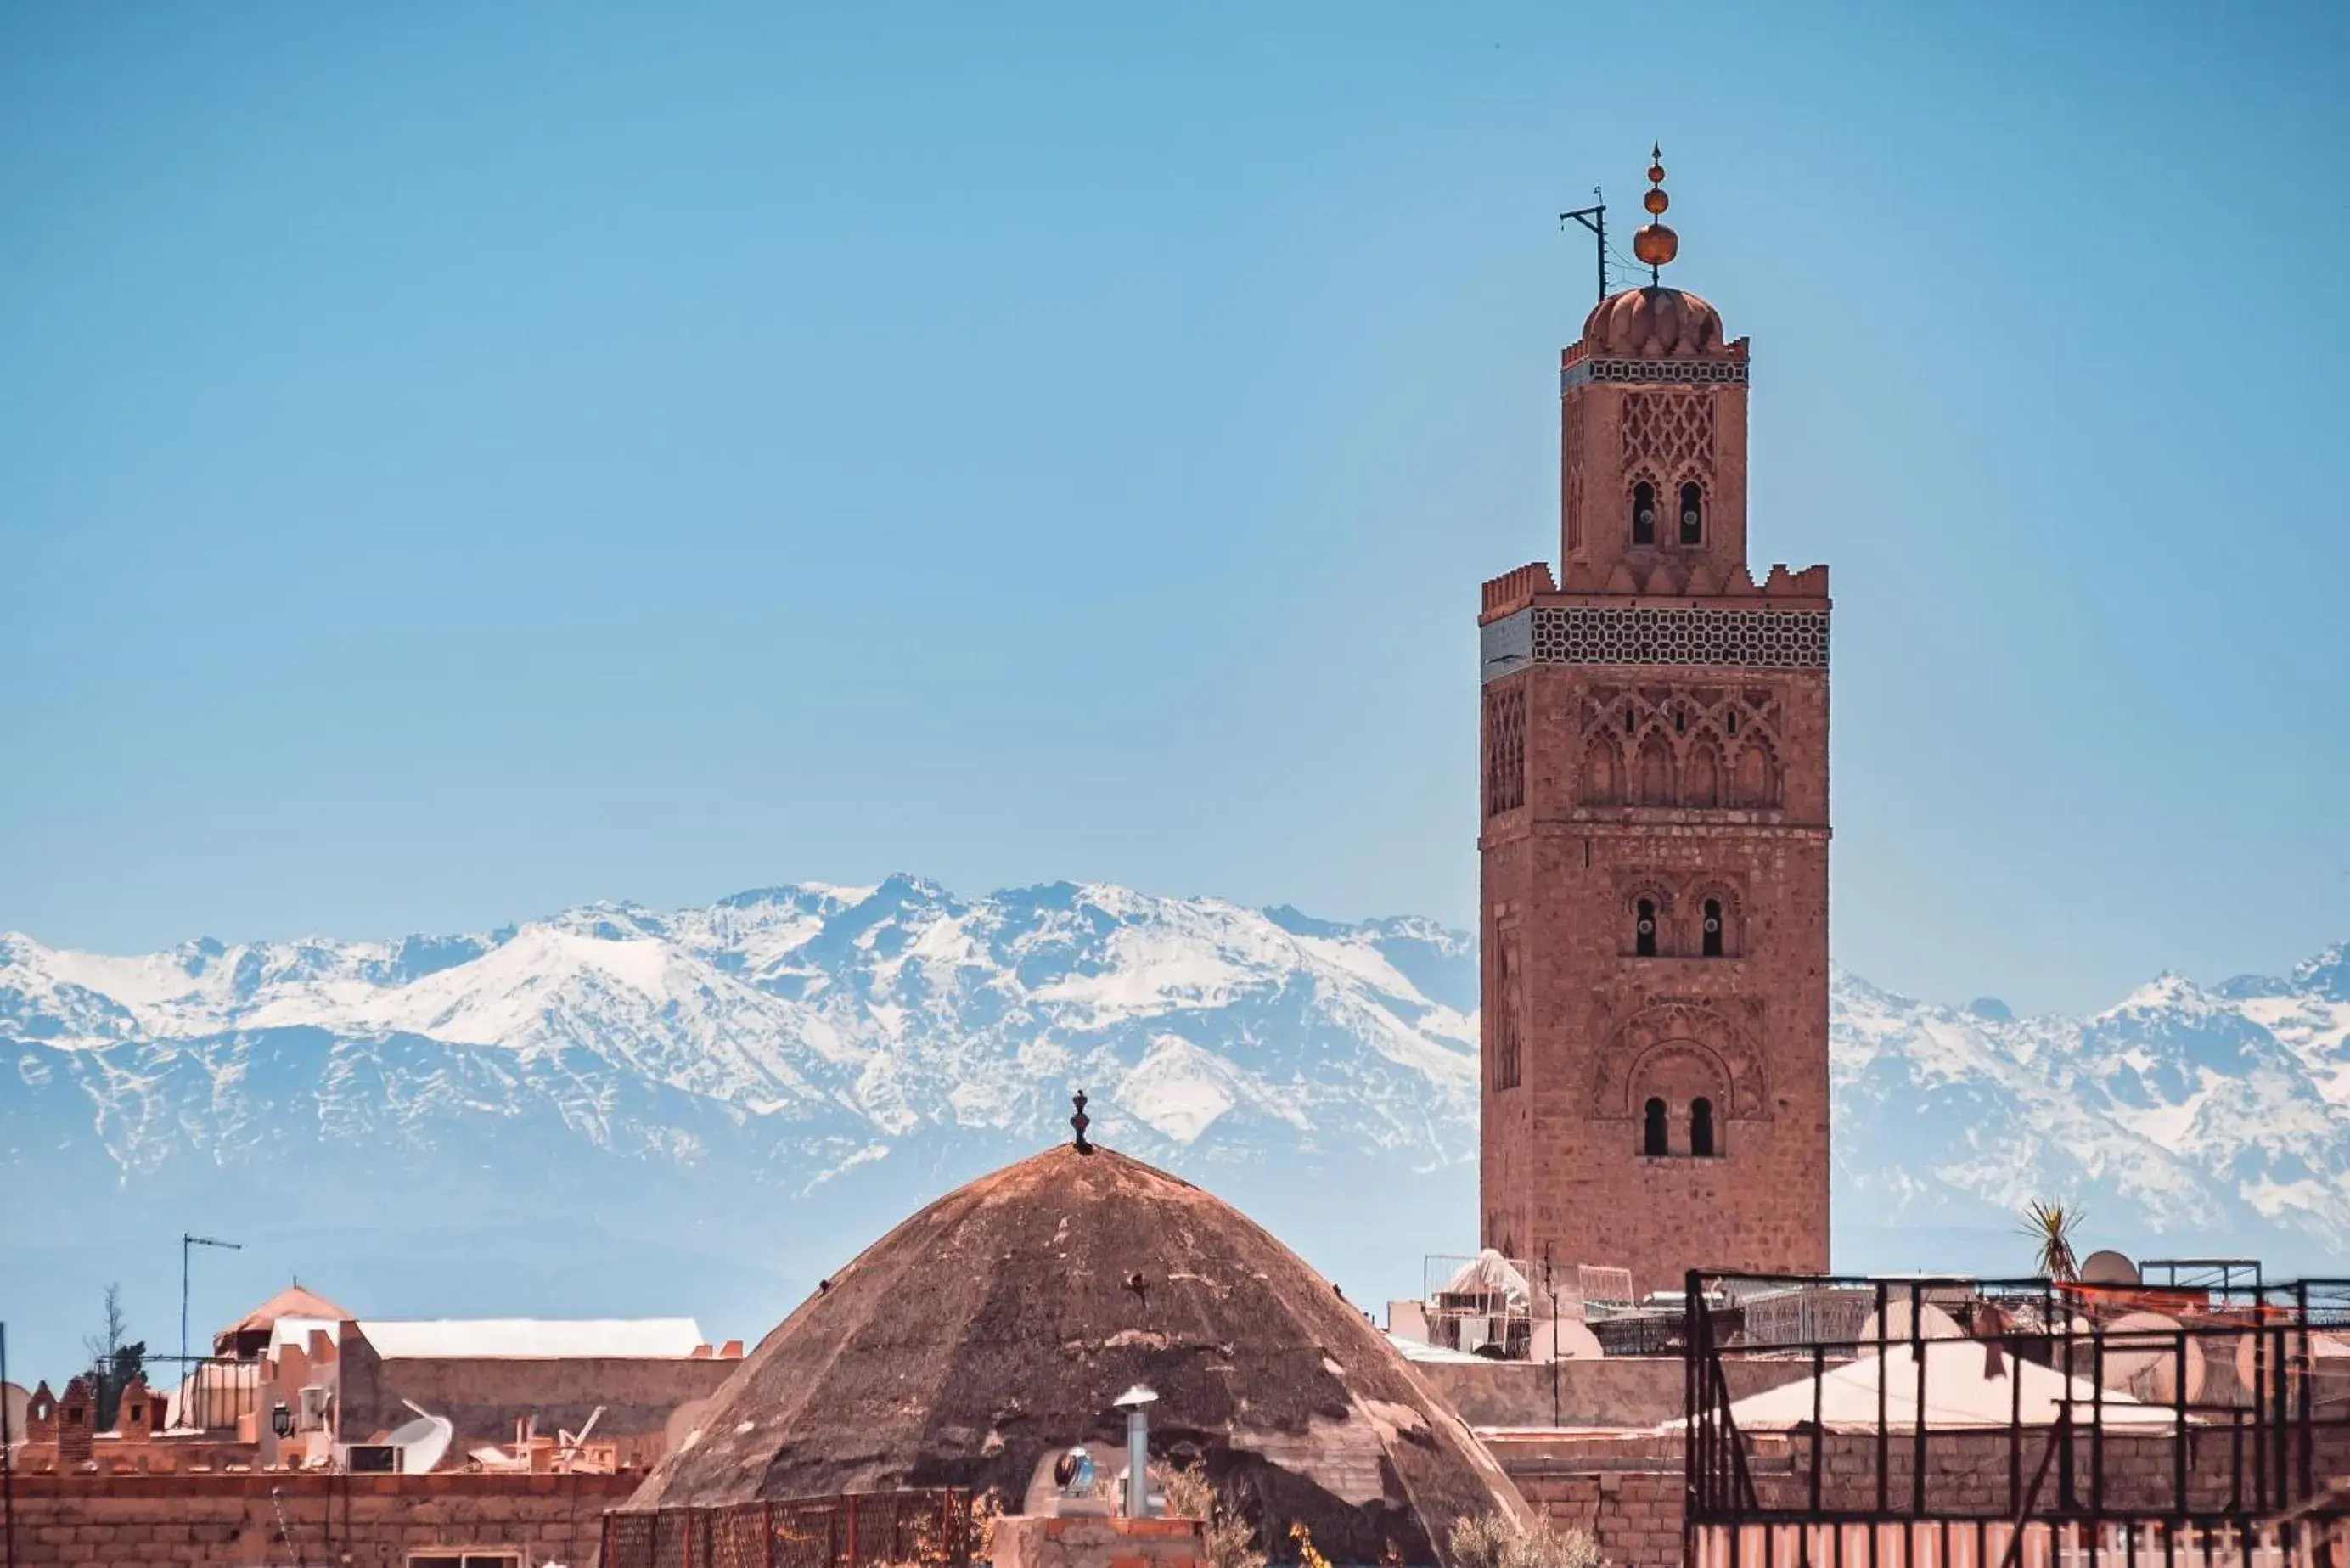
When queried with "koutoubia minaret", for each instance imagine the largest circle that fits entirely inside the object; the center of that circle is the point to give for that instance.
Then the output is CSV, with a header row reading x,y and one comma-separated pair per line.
x,y
1655,839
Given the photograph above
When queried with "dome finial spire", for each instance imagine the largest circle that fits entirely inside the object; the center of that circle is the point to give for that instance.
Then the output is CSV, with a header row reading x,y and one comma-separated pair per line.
x,y
1655,244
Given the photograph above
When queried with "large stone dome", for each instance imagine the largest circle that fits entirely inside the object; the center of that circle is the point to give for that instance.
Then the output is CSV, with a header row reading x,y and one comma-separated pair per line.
x,y
1652,323
994,1329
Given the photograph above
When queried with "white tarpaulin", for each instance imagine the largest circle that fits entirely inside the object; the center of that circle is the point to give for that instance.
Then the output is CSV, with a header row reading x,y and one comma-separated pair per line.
x,y
1489,1273
1967,1384
525,1339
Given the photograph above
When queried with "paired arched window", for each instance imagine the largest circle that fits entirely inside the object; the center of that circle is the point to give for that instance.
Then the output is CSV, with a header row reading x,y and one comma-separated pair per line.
x,y
1644,513
1656,1131
1692,515
1644,929
1712,932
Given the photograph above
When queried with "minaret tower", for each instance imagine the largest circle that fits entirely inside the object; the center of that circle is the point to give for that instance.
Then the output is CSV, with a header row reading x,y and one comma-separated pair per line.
x,y
1654,853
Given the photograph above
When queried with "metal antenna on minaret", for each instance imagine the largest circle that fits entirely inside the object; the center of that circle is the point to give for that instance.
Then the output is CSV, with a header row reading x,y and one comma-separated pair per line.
x,y
1594,218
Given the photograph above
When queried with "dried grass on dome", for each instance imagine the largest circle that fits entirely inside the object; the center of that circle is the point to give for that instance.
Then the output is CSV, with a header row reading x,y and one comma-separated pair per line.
x,y
1497,1540
1228,1540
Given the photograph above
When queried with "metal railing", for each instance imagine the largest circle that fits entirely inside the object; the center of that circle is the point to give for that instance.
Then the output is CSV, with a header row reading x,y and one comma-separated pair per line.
x,y
931,1526
2210,1417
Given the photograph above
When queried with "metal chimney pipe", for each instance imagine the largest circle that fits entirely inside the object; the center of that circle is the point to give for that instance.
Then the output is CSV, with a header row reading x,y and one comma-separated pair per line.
x,y
1137,1463
1136,1402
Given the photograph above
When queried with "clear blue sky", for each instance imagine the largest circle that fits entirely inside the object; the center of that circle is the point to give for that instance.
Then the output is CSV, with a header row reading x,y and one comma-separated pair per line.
x,y
459,460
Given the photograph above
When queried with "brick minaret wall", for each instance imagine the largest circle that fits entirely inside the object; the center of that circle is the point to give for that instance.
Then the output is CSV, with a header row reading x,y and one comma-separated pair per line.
x,y
1655,747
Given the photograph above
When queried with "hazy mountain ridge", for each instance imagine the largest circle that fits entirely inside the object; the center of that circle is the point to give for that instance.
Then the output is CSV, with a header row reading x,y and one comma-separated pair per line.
x,y
867,1047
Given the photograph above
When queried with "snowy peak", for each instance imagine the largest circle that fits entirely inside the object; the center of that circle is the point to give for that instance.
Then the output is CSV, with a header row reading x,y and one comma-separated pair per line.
x,y
787,1036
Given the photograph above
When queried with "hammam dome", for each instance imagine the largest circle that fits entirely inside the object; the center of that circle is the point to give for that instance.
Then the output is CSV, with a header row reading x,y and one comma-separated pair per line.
x,y
994,1329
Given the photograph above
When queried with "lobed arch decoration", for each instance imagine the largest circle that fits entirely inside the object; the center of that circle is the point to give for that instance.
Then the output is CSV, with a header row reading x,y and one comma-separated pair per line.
x,y
1717,903
1689,511
1505,749
1700,748
1651,902
1603,771
1679,1050
1671,433
1702,776
1755,777
1571,480
1508,1009
1652,772
1646,504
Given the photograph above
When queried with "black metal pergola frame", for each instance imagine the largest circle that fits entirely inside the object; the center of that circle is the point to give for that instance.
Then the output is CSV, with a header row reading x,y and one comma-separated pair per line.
x,y
2248,1470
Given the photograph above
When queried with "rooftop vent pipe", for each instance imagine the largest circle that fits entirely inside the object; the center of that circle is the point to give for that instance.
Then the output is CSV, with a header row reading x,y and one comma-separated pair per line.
x,y
1136,1402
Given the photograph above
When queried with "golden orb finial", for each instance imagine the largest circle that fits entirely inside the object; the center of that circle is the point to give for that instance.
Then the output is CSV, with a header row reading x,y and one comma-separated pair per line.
x,y
1655,244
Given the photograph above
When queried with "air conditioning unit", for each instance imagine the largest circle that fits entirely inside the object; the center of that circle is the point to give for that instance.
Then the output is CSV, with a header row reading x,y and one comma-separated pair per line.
x,y
316,1400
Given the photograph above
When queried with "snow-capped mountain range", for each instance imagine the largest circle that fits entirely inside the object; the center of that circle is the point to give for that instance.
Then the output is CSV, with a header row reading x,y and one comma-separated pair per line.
x,y
704,1109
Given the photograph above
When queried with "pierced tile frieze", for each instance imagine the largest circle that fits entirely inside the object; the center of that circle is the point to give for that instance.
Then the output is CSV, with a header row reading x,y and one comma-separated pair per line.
x,y
1635,372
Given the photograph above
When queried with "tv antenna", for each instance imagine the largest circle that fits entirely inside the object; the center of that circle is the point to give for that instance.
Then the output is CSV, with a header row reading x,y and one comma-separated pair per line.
x,y
188,1241
1593,218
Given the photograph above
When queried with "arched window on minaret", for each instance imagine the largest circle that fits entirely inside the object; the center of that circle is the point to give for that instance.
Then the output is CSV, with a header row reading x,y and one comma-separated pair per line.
x,y
1692,515
1701,1127
1653,1136
1644,513
1712,933
1644,929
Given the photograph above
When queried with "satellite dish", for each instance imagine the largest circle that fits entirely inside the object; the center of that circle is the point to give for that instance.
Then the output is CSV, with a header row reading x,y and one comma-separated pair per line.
x,y
420,1442
2329,1359
1933,1322
1566,1340
1073,1472
2142,1358
2108,1268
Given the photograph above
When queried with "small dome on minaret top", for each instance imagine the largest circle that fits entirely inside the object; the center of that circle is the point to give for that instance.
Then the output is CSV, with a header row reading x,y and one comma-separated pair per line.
x,y
1651,322
1654,322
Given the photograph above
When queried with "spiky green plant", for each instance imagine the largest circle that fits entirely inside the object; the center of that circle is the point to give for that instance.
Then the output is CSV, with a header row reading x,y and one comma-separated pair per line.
x,y
2050,1227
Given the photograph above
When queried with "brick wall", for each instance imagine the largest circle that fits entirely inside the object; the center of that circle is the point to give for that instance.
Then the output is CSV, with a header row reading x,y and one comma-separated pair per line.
x,y
1625,1491
1628,1491
483,1397
1029,1541
1637,1392
353,1521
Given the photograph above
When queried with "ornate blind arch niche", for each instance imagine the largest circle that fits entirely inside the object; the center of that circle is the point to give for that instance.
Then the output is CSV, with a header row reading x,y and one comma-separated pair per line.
x,y
1669,434
1676,1051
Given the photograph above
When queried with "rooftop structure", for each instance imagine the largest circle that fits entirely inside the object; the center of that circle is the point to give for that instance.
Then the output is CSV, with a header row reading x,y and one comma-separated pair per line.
x,y
1654,855
990,1332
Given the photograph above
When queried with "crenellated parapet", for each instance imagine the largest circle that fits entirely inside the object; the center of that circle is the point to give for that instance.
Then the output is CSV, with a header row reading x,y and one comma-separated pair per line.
x,y
1517,589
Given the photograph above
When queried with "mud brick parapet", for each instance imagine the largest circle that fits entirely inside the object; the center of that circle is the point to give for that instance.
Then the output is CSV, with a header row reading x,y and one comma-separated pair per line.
x,y
256,1518
1039,1543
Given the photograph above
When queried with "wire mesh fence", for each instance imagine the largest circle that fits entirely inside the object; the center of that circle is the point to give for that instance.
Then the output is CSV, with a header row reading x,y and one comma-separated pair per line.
x,y
932,1527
